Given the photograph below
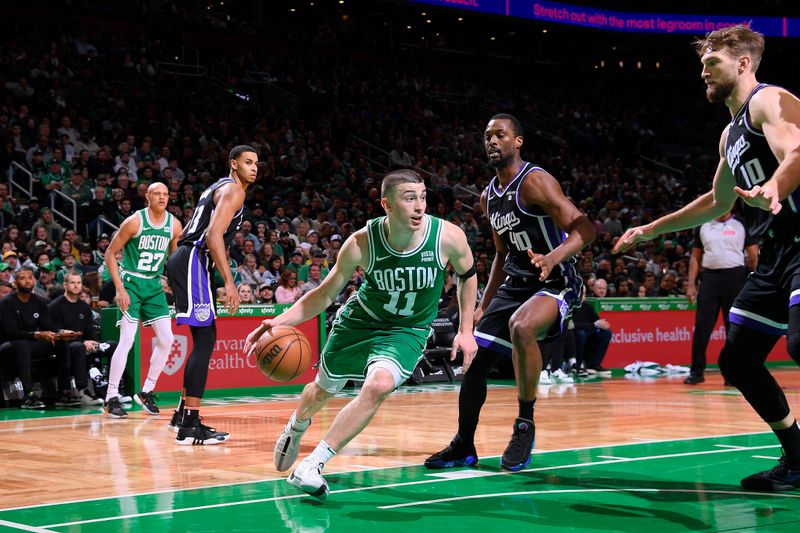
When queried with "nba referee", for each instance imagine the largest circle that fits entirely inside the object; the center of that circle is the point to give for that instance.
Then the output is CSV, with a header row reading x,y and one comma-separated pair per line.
x,y
726,253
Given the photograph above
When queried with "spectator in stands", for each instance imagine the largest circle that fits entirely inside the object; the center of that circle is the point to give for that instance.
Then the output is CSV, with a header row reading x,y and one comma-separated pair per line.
x,y
266,295
39,235
600,288
318,259
46,282
668,285
86,264
28,332
249,272
287,292
314,279
54,229
6,274
399,158
246,294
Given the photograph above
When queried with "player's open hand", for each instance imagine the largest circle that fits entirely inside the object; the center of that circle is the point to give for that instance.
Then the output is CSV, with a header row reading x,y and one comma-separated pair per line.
x,y
231,301
765,197
631,237
253,336
466,343
542,262
123,299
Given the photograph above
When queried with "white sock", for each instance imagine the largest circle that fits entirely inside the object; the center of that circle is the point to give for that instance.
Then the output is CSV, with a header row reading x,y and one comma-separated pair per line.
x,y
297,424
164,339
322,453
149,385
127,333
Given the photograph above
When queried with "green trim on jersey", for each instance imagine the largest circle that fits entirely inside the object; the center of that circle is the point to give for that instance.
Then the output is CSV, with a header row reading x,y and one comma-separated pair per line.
x,y
403,288
145,254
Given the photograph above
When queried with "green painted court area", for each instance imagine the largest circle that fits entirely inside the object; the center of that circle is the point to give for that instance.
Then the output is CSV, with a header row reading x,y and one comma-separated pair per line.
x,y
681,485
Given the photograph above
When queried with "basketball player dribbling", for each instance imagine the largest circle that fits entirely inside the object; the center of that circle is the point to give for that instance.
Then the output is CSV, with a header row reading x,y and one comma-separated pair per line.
x,y
203,245
380,333
760,162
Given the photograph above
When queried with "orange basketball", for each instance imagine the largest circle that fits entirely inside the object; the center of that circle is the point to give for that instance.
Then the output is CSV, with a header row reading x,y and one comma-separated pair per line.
x,y
283,353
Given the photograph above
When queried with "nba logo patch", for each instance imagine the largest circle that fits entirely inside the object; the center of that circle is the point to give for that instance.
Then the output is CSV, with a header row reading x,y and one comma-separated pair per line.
x,y
202,312
177,354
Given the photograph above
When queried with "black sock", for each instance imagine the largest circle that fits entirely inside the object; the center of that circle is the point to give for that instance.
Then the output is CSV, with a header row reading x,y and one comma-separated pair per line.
x,y
790,440
190,417
526,409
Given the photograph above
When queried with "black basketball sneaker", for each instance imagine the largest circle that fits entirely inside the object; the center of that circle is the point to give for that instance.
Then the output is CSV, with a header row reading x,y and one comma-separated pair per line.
x,y
456,454
518,453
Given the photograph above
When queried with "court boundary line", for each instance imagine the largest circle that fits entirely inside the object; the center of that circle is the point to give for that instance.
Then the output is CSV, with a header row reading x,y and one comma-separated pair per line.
x,y
535,452
584,491
25,527
395,485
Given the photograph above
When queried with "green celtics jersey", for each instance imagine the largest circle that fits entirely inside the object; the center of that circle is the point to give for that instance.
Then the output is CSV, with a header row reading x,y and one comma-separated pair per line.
x,y
403,288
146,252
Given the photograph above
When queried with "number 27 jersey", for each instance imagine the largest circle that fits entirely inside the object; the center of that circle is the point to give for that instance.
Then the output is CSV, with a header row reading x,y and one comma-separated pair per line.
x,y
521,228
145,253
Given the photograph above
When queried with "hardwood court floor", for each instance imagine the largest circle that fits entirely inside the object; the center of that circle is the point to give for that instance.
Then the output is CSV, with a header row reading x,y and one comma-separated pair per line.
x,y
611,455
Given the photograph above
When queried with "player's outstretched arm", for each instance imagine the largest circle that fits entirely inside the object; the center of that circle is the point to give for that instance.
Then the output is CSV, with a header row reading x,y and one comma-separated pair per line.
x,y
130,227
777,112
715,203
458,252
351,255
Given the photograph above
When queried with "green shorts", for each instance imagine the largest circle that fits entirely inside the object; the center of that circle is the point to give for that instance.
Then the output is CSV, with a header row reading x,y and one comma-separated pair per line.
x,y
355,343
148,302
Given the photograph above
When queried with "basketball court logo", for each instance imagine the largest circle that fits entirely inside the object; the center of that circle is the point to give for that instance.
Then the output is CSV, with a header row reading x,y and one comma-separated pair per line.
x,y
202,312
177,355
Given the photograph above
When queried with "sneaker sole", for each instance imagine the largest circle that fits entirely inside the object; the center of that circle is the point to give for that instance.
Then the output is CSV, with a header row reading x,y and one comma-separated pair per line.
x,y
320,493
472,460
144,406
193,442
115,416
517,467
283,456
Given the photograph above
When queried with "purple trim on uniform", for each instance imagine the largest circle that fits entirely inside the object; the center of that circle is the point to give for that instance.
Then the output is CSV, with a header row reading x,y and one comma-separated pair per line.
x,y
495,347
756,325
201,304
794,300
555,235
522,171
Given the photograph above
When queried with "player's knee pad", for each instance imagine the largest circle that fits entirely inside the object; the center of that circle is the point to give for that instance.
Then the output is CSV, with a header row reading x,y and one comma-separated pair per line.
x,y
392,369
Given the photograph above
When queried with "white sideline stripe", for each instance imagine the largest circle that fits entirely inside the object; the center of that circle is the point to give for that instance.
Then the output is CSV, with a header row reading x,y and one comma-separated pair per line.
x,y
580,448
462,474
406,484
611,457
23,527
585,491
731,446
766,457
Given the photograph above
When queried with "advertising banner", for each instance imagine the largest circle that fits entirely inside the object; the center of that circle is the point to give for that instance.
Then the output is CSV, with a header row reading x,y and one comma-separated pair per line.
x,y
659,330
229,366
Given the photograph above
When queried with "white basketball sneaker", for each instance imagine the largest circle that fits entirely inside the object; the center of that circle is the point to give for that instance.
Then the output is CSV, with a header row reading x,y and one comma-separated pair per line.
x,y
287,447
308,478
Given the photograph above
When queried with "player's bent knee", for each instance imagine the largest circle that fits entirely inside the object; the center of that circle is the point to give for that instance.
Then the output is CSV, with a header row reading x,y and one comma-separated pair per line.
x,y
326,384
523,329
379,385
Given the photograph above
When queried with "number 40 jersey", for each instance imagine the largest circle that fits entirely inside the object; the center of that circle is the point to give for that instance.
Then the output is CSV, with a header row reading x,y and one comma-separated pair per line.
x,y
522,228
145,253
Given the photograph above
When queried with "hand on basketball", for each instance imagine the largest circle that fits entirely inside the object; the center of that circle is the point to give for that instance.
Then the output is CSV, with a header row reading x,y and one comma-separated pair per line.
x,y
542,262
466,343
631,237
253,336
123,299
765,197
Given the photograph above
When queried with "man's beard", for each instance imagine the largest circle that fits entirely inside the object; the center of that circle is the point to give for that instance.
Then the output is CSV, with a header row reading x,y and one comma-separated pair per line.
x,y
25,290
721,90
502,162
